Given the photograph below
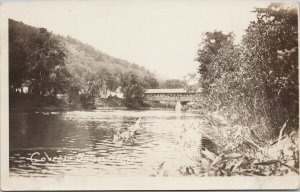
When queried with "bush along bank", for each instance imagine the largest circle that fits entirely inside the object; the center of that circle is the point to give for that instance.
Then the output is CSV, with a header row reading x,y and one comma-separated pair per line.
x,y
226,150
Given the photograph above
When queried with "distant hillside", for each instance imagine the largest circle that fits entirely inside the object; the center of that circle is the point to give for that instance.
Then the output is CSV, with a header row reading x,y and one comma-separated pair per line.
x,y
53,62
87,64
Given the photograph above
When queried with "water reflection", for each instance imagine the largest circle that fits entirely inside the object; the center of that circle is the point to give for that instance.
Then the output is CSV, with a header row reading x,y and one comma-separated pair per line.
x,y
82,142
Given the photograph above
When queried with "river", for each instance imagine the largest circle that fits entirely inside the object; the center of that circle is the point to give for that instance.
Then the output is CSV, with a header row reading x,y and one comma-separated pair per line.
x,y
78,143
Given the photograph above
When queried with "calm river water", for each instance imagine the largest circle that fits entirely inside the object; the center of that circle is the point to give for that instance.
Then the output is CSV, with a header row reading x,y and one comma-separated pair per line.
x,y
79,143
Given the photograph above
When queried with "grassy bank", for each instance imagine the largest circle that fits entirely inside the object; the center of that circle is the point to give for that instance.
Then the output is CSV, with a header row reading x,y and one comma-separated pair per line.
x,y
110,102
226,150
26,102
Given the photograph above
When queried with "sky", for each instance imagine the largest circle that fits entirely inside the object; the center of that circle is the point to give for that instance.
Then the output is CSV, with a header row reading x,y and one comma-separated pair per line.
x,y
161,35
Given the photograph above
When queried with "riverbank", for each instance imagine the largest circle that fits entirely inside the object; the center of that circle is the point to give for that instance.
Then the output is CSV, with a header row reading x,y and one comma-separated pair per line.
x,y
24,102
110,102
227,150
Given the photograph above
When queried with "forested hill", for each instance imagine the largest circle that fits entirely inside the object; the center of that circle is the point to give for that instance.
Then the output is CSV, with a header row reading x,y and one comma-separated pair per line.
x,y
52,63
86,63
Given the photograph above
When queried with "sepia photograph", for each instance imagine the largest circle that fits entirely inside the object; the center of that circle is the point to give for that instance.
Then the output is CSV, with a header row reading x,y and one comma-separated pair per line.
x,y
159,94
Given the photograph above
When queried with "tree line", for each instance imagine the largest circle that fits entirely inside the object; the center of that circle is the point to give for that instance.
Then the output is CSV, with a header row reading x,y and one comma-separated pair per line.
x,y
51,64
254,82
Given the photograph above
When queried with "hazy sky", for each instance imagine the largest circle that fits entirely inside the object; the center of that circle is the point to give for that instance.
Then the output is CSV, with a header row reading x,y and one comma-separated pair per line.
x,y
162,35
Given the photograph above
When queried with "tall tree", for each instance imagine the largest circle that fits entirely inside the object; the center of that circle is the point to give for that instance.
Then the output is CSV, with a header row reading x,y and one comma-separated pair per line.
x,y
255,82
36,56
210,46
272,59
133,93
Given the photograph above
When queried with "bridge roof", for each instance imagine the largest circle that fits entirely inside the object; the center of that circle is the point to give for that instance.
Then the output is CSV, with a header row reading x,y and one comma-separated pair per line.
x,y
156,91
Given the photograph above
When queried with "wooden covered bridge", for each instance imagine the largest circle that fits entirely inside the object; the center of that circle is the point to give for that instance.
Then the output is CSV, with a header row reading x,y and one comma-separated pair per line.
x,y
180,96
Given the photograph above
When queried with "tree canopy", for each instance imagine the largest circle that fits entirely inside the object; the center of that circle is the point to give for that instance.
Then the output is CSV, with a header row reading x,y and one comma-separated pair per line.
x,y
54,64
172,84
35,56
134,93
256,81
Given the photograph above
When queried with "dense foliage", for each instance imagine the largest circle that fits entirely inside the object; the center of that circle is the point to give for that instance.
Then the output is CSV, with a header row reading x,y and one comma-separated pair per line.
x,y
87,64
272,54
134,93
255,82
227,150
36,57
52,64
172,84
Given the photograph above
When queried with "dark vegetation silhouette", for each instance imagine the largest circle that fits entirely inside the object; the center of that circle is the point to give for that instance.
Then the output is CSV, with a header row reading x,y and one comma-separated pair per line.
x,y
52,64
255,81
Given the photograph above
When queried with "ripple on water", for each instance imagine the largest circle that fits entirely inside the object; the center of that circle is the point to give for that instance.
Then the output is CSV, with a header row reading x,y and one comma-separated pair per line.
x,y
90,133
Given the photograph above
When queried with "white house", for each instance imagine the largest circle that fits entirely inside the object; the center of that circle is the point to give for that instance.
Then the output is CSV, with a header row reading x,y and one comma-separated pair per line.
x,y
116,93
